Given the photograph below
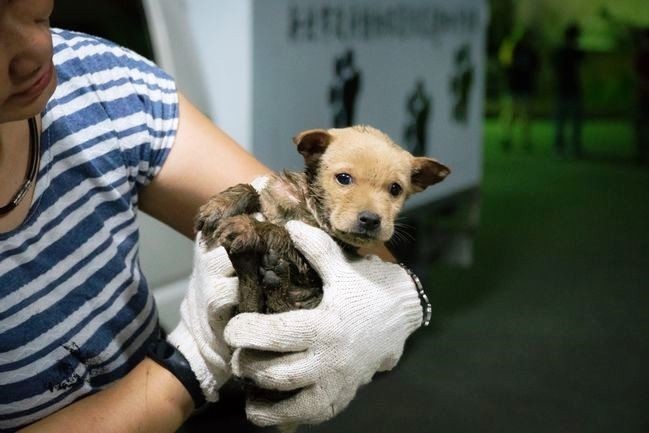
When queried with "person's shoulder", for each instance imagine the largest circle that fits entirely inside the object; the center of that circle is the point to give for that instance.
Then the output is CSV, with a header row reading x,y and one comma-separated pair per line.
x,y
93,51
68,39
78,54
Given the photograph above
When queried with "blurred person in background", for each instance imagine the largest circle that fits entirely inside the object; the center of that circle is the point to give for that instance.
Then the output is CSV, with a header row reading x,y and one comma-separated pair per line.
x,y
522,69
569,102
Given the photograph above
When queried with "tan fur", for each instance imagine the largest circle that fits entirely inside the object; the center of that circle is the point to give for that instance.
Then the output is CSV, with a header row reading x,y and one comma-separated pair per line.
x,y
375,162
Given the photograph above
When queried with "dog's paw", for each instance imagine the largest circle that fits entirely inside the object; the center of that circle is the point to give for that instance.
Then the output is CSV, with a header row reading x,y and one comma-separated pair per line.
x,y
209,219
273,269
286,286
239,199
279,246
238,234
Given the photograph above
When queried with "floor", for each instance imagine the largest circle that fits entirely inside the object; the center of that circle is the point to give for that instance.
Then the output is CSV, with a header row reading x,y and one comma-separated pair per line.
x,y
548,330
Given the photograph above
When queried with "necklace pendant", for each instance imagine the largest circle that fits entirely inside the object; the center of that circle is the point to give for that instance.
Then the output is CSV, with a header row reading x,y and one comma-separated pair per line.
x,y
21,193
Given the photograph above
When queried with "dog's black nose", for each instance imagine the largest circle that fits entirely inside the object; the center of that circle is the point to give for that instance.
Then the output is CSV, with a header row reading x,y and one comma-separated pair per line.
x,y
369,221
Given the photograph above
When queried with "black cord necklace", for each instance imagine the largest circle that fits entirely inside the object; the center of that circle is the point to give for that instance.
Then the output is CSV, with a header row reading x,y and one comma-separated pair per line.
x,y
32,168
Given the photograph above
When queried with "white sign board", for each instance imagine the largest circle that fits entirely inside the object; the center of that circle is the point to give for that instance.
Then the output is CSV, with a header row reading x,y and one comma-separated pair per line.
x,y
272,68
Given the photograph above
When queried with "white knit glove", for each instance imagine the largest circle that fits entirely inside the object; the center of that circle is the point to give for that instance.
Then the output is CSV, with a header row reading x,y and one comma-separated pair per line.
x,y
208,304
368,310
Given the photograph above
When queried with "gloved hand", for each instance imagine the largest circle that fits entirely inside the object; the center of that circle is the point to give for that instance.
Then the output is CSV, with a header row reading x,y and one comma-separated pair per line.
x,y
368,310
208,304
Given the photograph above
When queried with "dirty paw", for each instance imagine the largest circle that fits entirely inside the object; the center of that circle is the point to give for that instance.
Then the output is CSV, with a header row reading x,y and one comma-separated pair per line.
x,y
273,270
287,287
208,221
239,199
238,234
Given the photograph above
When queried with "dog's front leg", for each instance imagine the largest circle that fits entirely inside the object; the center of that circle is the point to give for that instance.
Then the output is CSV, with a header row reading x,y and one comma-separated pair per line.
x,y
251,297
236,200
239,236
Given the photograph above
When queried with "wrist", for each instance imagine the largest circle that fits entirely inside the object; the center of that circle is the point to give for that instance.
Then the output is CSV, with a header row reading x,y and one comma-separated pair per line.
x,y
414,308
171,359
211,374
426,307
168,389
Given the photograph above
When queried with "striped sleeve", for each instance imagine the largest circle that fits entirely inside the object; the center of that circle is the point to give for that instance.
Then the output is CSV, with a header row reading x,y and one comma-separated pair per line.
x,y
139,99
157,107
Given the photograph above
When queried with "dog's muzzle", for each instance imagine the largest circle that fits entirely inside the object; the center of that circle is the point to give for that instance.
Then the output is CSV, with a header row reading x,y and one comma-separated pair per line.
x,y
368,223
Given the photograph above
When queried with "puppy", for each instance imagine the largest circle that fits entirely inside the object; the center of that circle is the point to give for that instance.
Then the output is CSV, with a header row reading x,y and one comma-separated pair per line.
x,y
355,182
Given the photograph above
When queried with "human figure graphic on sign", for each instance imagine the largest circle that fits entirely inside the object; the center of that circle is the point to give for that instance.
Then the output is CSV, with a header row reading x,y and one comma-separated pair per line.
x,y
461,83
418,106
344,90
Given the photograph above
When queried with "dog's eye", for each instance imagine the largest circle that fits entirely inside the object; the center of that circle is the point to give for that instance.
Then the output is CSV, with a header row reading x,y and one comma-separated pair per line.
x,y
395,189
344,178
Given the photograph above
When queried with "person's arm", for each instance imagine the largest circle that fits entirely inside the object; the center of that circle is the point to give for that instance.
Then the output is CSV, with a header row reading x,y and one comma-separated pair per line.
x,y
148,399
203,161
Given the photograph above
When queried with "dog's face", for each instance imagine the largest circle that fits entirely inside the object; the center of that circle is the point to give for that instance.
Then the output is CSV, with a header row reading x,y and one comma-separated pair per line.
x,y
363,179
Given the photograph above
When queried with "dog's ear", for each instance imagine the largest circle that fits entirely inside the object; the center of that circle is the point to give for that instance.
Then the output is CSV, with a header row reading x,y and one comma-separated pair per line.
x,y
312,143
426,172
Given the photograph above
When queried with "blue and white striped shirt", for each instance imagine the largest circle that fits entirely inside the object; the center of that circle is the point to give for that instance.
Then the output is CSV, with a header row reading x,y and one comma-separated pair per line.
x,y
75,310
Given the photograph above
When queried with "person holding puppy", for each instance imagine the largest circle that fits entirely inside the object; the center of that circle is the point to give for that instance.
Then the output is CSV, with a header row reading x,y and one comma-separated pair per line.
x,y
89,133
